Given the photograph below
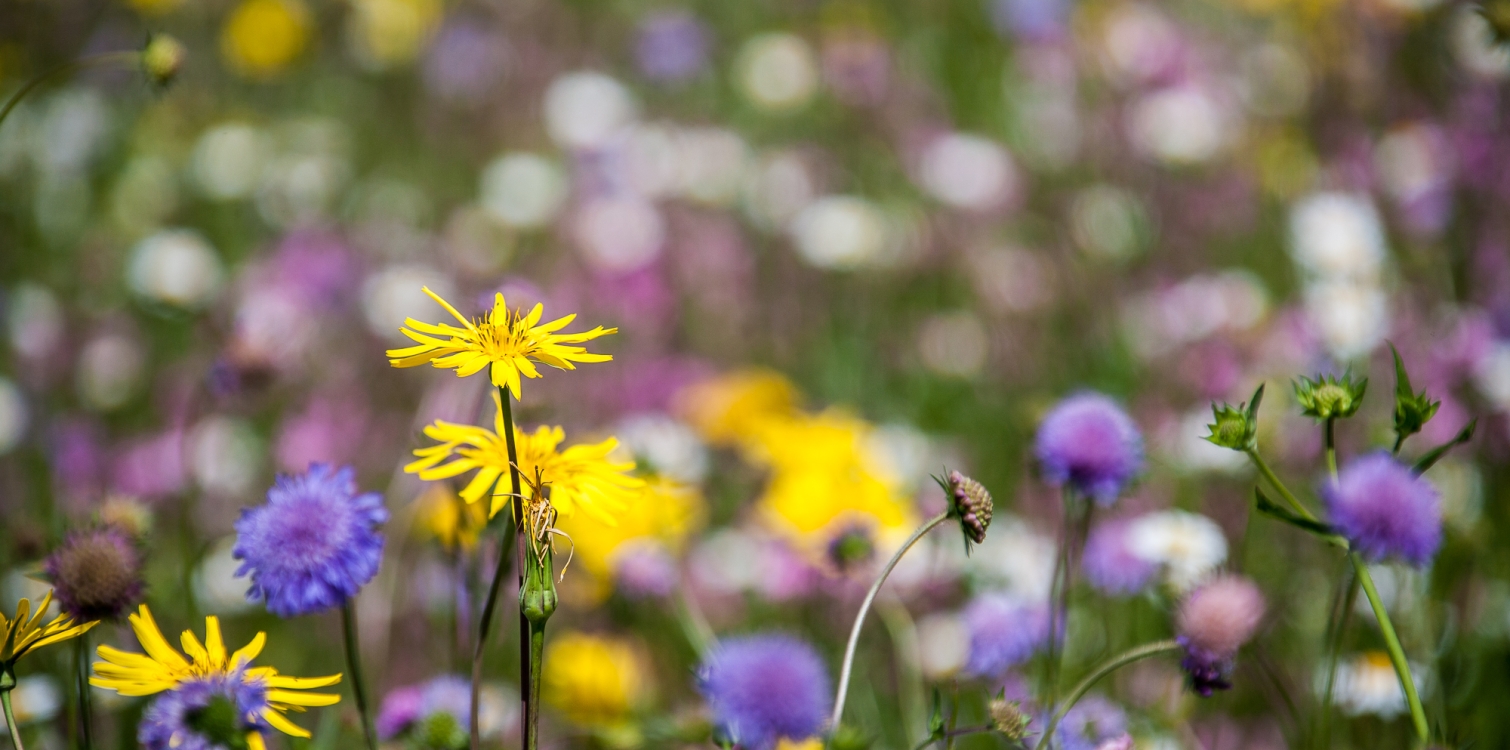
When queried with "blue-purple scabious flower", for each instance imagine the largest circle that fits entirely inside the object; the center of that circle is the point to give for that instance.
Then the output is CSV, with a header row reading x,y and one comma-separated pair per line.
x,y
1213,622
314,544
764,688
435,714
1088,443
1088,725
1004,633
1385,510
218,712
1110,564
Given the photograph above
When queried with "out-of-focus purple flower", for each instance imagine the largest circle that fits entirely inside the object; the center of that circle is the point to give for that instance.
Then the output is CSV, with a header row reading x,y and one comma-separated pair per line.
x,y
314,544
672,46
150,467
316,265
1385,510
1213,622
857,66
644,570
1030,20
168,723
401,708
78,458
329,430
1089,443
465,62
763,688
1110,564
1090,723
1003,634
96,574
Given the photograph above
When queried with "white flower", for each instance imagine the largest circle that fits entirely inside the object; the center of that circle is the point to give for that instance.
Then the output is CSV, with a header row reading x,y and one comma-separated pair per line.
x,y
1188,546
777,72
175,266
1337,235
669,446
1367,684
523,190
1024,558
585,109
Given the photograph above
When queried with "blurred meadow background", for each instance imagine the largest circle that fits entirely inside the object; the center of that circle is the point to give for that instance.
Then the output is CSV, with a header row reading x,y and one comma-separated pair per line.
x,y
907,229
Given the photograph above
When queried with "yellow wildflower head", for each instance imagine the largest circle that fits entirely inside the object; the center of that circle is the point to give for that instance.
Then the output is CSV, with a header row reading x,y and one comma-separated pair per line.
x,y
25,633
808,744
443,516
664,513
163,668
505,342
385,33
261,38
595,681
728,409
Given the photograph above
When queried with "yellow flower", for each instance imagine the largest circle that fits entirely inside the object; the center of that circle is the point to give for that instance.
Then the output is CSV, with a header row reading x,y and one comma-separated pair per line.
x,y
25,632
581,477
505,341
808,744
163,668
665,512
729,408
443,516
391,32
593,680
262,37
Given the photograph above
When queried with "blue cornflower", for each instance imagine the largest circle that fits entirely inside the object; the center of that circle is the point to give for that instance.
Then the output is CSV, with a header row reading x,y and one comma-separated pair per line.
x,y
764,688
1385,510
314,544
1003,634
1088,442
218,712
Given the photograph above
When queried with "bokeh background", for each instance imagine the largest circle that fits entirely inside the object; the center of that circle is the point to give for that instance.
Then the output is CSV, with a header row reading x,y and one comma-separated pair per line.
x,y
914,224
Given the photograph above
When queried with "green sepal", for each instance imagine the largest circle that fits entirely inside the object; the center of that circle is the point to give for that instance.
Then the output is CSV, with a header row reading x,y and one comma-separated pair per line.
x,y
1329,396
1430,459
1412,410
936,717
1236,427
847,737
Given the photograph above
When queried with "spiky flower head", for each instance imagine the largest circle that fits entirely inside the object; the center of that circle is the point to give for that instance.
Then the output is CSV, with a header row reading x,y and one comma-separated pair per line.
x,y
1004,633
162,58
1008,718
1213,622
1412,410
765,688
1236,427
507,343
314,544
1330,396
1385,510
1088,443
969,503
96,574
217,712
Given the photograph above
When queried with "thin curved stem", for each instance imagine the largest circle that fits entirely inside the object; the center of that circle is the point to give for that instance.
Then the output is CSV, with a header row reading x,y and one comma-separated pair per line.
x,y
354,664
1392,644
1084,686
492,602
108,58
1279,486
10,720
870,596
1331,447
1348,596
961,732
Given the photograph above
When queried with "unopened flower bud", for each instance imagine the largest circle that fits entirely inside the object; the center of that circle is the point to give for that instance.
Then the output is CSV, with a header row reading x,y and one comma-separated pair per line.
x,y
1330,397
1412,410
1008,718
970,502
162,58
850,547
1236,427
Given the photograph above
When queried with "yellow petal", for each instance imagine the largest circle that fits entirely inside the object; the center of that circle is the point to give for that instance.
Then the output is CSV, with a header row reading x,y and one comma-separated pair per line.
x,y
214,642
193,648
301,683
153,642
254,741
294,698
247,653
281,723
449,309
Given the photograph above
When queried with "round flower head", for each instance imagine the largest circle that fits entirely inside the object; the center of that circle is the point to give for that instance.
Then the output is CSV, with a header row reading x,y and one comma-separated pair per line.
x,y
435,714
1090,444
96,575
1213,623
1110,563
401,708
217,712
1003,634
1385,510
314,544
765,688
1089,724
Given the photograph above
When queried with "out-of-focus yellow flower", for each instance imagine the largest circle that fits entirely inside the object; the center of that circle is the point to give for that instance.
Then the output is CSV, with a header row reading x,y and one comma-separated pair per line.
x,y
807,744
582,477
262,38
154,7
505,342
595,681
728,409
392,32
443,516
25,632
665,511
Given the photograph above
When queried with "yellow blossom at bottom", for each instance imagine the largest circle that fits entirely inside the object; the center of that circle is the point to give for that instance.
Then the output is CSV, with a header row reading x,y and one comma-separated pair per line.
x,y
812,743
595,681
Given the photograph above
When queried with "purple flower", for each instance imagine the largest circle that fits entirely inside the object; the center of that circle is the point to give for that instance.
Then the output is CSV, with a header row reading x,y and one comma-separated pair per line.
x,y
1091,722
1384,510
96,575
1213,622
465,63
1003,634
644,570
1031,20
401,708
672,46
1110,565
763,688
1089,443
314,544
188,716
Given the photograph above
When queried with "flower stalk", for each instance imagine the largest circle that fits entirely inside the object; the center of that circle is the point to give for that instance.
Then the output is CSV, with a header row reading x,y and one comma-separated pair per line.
x,y
86,712
8,683
537,602
354,663
486,622
1084,686
1392,645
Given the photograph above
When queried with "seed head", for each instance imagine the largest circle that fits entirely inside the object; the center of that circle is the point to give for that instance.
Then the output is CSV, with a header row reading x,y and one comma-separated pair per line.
x,y
970,502
1008,718
96,575
162,58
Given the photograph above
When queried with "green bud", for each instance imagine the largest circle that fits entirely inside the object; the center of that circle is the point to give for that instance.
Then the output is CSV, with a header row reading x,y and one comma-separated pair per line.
x,y
1236,427
441,731
849,738
1330,397
1412,410
218,722
161,58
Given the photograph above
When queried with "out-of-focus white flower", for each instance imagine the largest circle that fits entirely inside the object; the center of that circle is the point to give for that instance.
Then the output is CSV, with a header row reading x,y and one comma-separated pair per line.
x,y
777,189
1337,234
585,109
477,241
668,445
175,266
272,325
621,233
1108,222
36,697
969,172
1414,160
840,232
726,561
1162,320
1180,125
523,190
777,72
1276,82
13,415
227,455
394,293
299,188
34,320
217,590
1139,43
497,710
905,451
649,153
1050,123
712,163
1019,556
1188,546
953,344
944,644
1366,684
228,160
1011,279
74,124
1475,47
1352,319
109,371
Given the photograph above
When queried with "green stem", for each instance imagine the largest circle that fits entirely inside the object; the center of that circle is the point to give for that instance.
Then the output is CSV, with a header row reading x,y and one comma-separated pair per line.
x,y
86,712
694,623
1399,441
870,597
961,732
107,58
537,658
354,664
1392,643
1268,473
1347,596
1117,662
10,718
1074,526
1331,446
488,607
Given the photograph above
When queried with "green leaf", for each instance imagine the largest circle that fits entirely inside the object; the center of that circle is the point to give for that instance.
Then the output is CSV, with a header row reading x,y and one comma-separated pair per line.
x,y
1430,459
1402,380
936,720
1274,510
1258,396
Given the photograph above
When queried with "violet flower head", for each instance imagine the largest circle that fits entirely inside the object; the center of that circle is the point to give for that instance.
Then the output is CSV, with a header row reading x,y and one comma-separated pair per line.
x,y
1091,723
96,575
645,571
1110,565
672,46
314,544
1385,510
1089,443
1213,622
401,708
764,688
204,713
1003,634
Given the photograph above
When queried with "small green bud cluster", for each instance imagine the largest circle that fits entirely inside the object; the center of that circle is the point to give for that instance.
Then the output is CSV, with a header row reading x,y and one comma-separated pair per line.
x,y
1412,410
1330,397
1236,427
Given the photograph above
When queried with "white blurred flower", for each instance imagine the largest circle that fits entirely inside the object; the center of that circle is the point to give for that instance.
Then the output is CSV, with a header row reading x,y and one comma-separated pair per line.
x,y
620,233
1108,222
1188,546
523,190
1050,124
1352,319
272,325
1011,279
36,697
969,172
228,160
13,415
905,451
1019,556
1180,125
585,109
1475,47
1193,453
395,293
712,164
217,590
497,710
777,71
1139,43
726,561
1337,234
227,455
953,344
944,644
777,189
1162,320
1366,684
668,445
109,371
1413,160
72,131
477,241
1276,82
300,188
175,266
34,320
840,232
650,156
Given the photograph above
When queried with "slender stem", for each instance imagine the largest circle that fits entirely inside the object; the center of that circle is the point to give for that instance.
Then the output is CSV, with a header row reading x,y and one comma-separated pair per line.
x,y
354,664
1073,529
1116,662
10,720
107,58
870,596
1347,596
492,602
953,718
1392,643
1268,473
86,712
694,623
1331,446
961,732
1399,441
537,656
